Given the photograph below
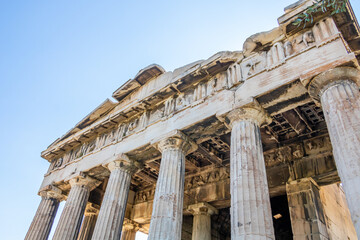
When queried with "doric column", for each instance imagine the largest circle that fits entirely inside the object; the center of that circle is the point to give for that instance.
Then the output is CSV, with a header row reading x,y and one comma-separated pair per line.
x,y
306,211
338,92
129,230
167,211
69,224
44,218
112,211
250,201
202,220
88,224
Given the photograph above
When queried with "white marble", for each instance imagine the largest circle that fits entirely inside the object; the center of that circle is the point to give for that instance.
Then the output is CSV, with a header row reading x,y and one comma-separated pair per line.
x,y
112,211
250,201
338,92
167,214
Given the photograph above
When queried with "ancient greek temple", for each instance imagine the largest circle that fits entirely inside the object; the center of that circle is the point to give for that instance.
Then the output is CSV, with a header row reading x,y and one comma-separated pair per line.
x,y
257,144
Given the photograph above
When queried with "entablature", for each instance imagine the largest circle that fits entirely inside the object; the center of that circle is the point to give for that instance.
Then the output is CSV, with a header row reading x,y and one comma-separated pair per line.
x,y
274,75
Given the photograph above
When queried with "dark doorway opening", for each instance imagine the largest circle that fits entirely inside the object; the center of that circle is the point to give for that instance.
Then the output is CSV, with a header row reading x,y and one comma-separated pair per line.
x,y
281,218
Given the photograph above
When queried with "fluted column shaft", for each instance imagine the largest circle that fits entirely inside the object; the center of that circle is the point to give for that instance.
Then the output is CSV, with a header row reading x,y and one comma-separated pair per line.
x,y
112,211
202,220
88,223
167,214
250,202
44,218
87,227
340,100
70,221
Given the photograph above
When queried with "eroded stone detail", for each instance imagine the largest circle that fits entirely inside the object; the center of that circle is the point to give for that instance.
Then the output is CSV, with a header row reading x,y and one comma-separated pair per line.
x,y
144,195
306,211
201,179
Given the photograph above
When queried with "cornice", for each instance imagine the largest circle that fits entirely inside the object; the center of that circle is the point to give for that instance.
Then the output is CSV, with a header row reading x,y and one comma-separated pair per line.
x,y
124,110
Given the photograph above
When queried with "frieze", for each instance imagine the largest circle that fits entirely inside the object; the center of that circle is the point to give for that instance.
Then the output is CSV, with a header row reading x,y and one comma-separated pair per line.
x,y
170,106
234,75
297,151
321,33
317,145
207,177
253,65
283,154
144,195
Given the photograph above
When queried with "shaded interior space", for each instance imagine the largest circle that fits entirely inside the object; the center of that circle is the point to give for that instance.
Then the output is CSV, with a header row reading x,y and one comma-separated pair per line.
x,y
281,218
221,227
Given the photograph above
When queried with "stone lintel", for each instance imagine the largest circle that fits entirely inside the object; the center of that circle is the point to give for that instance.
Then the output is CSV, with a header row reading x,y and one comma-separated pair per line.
x,y
300,185
174,139
202,208
323,81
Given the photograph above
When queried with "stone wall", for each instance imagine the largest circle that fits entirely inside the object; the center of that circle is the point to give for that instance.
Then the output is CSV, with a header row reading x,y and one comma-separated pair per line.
x,y
336,211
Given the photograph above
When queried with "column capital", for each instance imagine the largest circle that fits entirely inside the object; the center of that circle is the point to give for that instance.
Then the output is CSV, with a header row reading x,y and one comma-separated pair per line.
x,y
253,113
130,225
85,180
175,140
53,192
202,209
323,81
91,209
122,161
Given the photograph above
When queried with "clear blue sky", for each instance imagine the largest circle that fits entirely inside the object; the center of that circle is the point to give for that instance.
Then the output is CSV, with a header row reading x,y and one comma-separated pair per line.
x,y
61,59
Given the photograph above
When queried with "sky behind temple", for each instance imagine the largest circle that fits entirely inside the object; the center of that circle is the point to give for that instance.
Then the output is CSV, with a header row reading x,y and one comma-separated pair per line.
x,y
61,59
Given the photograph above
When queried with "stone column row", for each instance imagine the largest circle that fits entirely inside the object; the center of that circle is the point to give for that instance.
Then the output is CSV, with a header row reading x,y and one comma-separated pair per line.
x,y
109,222
338,92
